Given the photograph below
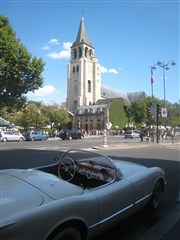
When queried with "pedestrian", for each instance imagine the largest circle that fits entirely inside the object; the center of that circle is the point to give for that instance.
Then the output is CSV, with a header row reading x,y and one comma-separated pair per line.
x,y
141,134
162,135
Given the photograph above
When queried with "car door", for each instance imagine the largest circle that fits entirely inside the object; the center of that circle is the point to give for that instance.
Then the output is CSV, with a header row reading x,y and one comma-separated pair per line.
x,y
9,135
115,201
15,136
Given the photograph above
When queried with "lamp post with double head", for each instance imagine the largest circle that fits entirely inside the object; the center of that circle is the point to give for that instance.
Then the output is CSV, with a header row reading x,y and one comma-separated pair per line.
x,y
165,66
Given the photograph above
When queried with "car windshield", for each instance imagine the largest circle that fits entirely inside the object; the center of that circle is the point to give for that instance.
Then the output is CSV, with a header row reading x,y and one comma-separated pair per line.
x,y
87,169
129,132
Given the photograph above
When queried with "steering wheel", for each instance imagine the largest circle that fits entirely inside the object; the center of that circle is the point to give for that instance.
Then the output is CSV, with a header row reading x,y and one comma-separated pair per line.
x,y
66,169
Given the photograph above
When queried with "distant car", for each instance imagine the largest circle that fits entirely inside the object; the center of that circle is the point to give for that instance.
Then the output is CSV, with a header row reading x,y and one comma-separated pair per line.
x,y
131,134
7,136
70,134
36,136
78,197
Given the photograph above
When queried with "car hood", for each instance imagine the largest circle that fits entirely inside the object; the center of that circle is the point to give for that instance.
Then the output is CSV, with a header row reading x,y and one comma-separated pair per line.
x,y
23,190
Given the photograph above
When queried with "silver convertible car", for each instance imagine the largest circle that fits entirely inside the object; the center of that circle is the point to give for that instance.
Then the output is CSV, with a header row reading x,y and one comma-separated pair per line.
x,y
78,197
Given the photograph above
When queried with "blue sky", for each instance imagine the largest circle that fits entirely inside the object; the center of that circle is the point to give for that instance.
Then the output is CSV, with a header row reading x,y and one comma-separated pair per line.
x,y
128,37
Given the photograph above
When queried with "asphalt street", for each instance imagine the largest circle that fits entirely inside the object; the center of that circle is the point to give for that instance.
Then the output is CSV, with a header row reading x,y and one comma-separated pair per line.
x,y
164,224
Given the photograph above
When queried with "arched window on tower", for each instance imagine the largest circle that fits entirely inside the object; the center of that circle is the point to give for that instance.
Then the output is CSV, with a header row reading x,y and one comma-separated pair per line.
x,y
75,54
75,104
89,86
80,52
90,53
77,68
86,51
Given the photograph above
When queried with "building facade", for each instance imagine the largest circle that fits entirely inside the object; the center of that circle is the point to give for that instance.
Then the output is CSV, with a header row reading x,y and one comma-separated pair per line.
x,y
87,99
84,73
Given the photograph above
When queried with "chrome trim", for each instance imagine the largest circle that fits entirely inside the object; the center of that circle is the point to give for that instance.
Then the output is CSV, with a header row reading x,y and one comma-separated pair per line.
x,y
117,213
142,199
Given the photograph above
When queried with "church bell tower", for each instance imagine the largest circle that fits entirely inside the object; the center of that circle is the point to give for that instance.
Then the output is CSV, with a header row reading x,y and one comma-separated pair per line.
x,y
83,73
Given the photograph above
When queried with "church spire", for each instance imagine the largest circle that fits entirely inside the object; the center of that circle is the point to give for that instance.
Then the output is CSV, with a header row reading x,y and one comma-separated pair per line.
x,y
82,36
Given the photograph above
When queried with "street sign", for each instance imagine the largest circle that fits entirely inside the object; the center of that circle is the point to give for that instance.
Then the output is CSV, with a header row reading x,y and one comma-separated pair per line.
x,y
164,112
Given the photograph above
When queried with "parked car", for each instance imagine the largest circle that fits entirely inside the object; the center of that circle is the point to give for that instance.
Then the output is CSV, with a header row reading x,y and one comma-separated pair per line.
x,y
36,136
132,134
70,134
7,136
78,197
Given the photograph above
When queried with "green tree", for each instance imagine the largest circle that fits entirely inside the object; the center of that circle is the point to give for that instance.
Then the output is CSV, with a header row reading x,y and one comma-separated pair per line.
x,y
174,115
55,115
117,115
139,112
19,71
30,117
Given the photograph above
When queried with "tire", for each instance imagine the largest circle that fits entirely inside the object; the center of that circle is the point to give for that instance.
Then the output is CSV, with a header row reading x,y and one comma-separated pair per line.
x,y
4,140
32,139
21,139
154,201
70,138
68,234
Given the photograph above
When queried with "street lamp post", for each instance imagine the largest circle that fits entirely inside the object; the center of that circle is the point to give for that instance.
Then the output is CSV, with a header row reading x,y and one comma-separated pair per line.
x,y
165,66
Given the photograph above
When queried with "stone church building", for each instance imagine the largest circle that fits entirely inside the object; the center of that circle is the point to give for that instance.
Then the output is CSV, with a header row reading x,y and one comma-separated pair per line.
x,y
87,99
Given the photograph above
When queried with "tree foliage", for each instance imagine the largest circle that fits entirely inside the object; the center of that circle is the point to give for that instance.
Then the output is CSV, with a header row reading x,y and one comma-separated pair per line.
x,y
139,112
19,71
117,115
38,116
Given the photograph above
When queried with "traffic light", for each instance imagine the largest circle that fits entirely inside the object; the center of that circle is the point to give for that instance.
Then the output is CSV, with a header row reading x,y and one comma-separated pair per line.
x,y
158,109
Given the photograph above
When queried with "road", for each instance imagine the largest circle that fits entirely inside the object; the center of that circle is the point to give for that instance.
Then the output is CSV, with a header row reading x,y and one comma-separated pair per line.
x,y
164,154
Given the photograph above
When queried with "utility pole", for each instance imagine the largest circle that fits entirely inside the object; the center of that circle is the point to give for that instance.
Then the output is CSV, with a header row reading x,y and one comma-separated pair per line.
x,y
158,112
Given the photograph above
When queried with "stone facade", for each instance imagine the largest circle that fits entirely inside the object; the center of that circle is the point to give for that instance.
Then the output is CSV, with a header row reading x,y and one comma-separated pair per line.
x,y
87,99
84,73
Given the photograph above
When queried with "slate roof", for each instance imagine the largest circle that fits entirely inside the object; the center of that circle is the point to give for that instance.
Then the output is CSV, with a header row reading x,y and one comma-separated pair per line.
x,y
111,93
82,34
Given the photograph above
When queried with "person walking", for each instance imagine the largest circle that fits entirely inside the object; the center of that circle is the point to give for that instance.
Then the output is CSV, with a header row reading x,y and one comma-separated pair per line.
x,y
142,134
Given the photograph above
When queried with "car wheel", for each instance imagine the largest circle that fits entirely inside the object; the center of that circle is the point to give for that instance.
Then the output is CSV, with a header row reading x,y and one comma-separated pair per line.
x,y
82,137
70,138
32,139
154,202
4,140
21,139
68,234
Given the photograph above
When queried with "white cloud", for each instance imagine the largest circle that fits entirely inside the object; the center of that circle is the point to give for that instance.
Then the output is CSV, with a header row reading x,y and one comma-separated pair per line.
x,y
44,91
64,53
113,71
46,47
67,45
54,41
58,55
106,70
103,69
